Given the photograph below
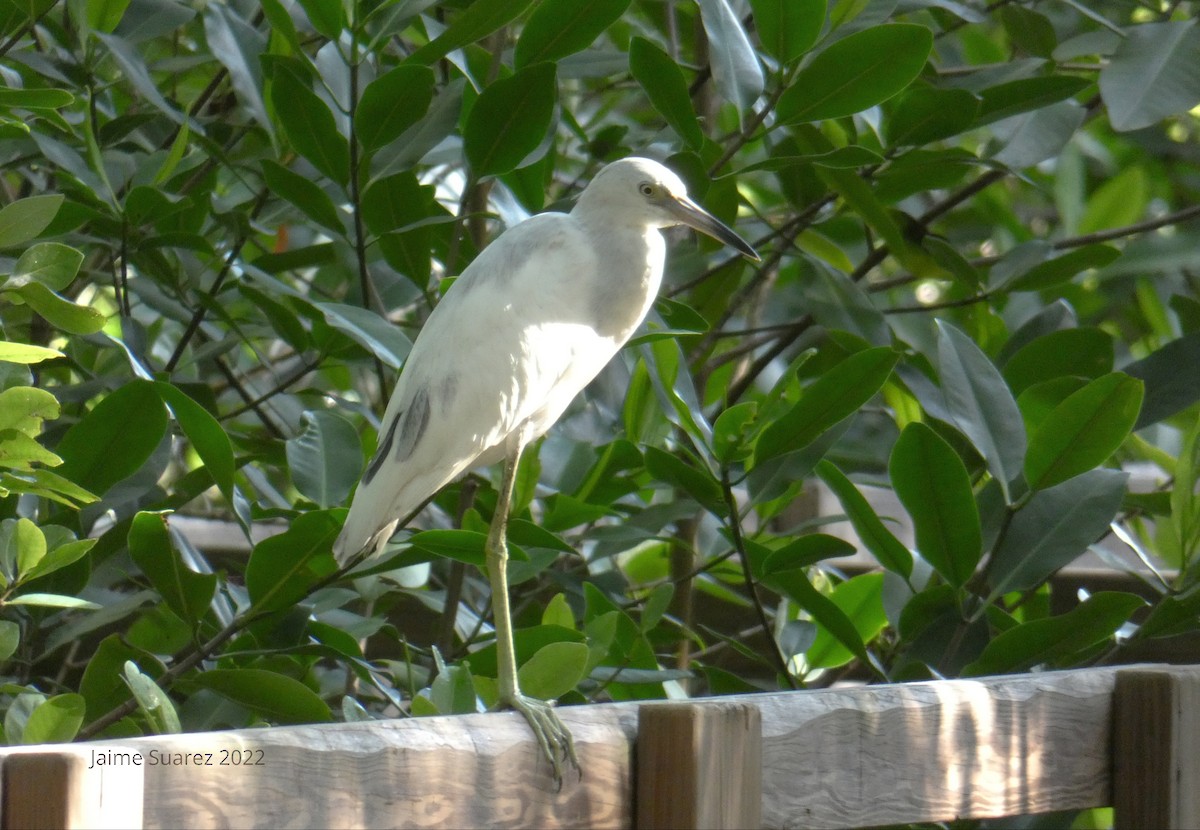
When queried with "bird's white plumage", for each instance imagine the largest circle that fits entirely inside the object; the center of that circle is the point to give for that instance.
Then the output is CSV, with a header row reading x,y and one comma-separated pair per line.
x,y
522,331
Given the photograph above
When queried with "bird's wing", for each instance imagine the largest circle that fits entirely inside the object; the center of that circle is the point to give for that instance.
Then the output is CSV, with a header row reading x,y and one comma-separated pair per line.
x,y
507,349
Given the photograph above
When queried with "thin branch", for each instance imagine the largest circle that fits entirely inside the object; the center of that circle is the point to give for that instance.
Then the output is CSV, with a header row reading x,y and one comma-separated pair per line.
x,y
304,370
739,544
202,309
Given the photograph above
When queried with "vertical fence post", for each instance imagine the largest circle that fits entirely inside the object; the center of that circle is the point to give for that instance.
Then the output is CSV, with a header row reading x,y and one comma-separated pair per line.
x,y
699,766
1156,748
67,790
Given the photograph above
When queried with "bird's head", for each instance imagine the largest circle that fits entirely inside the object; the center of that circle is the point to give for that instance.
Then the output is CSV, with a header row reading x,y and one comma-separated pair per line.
x,y
645,192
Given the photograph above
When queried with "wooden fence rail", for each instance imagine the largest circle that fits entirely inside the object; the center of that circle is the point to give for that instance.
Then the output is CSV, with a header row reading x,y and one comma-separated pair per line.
x,y
837,758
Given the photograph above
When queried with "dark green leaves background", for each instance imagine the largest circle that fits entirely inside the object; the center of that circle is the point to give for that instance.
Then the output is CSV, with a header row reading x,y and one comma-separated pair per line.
x,y
223,225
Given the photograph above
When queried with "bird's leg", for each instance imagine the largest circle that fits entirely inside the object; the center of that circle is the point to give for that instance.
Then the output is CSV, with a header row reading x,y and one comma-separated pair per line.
x,y
552,736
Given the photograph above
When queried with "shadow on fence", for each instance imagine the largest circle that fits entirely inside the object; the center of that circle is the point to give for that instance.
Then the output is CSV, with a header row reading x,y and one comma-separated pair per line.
x,y
837,758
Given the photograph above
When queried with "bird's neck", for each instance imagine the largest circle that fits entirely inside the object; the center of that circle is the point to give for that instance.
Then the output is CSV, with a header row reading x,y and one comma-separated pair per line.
x,y
630,259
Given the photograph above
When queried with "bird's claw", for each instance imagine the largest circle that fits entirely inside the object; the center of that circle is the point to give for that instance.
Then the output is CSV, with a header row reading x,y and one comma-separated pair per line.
x,y
552,735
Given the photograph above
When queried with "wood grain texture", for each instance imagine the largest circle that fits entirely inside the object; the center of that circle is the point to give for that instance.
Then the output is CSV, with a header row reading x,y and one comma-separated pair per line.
x,y
64,790
1156,748
936,751
468,771
836,758
699,766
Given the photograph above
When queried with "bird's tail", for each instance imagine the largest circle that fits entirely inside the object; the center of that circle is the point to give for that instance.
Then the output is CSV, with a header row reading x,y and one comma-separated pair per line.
x,y
357,538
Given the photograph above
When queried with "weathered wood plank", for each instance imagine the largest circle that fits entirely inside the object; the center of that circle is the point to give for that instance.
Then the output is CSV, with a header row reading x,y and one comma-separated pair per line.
x,y
699,766
468,771
65,790
936,751
1156,748
835,758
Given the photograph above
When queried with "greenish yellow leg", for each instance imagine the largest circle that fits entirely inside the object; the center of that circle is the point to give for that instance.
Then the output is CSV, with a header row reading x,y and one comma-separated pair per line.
x,y
552,735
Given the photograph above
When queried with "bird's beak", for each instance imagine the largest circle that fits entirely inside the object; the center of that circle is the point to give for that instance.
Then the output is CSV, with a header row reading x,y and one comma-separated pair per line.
x,y
691,214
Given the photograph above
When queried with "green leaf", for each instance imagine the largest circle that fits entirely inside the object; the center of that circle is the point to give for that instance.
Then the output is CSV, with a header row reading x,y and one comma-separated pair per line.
x,y
19,452
392,103
788,28
509,120
882,544
63,314
54,601
1121,200
1082,352
23,353
735,67
1046,641
1172,378
1152,74
55,721
35,99
794,584
1025,95
732,430
296,259
133,67
10,638
857,72
61,556
325,459
284,569
664,84
275,696
923,115
696,482
310,127
473,24
932,483
31,546
1039,400
18,714
236,42
328,17
981,404
655,606
1053,528
104,15
24,219
185,592
453,690
52,264
558,28
461,545
205,432
103,685
306,194
806,550
101,449
1084,430
52,485
1061,269
836,395
175,155
25,408
558,612
554,670
152,700
369,330
861,600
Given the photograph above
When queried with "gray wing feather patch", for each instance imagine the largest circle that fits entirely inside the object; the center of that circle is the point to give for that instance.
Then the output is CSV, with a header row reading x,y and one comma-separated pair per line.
x,y
416,419
381,452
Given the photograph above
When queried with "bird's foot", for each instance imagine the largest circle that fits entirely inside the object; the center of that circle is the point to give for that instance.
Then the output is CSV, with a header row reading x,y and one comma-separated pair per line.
x,y
552,735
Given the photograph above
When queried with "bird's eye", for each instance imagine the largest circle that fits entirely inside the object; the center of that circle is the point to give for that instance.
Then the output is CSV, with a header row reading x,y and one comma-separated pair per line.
x,y
646,189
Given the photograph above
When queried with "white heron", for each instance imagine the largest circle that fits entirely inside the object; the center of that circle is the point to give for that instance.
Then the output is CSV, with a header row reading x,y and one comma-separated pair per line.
x,y
522,331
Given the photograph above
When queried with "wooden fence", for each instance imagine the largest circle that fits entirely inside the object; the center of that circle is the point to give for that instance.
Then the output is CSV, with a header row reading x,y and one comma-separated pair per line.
x,y
839,758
